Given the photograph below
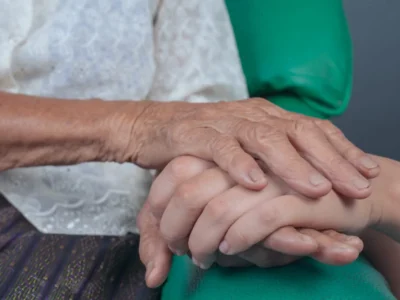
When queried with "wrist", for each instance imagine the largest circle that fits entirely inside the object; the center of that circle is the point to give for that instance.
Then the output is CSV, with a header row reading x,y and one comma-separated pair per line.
x,y
128,131
37,131
389,221
386,199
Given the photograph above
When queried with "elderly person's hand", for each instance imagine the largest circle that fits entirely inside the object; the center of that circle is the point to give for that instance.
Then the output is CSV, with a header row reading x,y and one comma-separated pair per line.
x,y
282,247
309,155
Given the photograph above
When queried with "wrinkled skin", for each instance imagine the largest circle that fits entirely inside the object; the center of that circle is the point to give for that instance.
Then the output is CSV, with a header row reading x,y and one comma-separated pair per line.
x,y
310,155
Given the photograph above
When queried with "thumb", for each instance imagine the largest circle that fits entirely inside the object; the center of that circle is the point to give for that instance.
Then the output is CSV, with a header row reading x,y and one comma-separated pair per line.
x,y
153,251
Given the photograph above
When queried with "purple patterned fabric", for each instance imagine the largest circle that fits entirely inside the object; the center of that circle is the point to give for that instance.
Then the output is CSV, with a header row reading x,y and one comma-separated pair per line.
x,y
39,266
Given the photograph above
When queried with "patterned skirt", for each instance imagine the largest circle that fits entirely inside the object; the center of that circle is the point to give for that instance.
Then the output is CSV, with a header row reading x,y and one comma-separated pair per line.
x,y
35,266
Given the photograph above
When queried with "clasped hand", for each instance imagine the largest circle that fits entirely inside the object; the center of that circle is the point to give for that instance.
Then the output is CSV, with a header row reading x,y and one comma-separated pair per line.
x,y
195,207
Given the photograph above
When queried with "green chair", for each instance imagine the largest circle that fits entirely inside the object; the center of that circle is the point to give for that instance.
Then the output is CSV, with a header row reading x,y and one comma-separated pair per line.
x,y
297,54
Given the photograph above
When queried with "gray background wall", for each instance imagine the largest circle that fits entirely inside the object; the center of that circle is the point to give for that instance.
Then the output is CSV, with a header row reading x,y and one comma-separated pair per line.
x,y
373,118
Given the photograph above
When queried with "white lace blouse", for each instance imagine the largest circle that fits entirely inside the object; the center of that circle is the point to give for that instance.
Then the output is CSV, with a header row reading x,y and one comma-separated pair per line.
x,y
162,50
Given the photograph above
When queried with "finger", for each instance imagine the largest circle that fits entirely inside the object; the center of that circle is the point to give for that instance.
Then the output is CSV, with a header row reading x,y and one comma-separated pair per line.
x,y
265,258
331,251
219,215
153,250
362,161
229,156
275,150
290,241
158,267
350,240
176,172
188,202
296,211
310,140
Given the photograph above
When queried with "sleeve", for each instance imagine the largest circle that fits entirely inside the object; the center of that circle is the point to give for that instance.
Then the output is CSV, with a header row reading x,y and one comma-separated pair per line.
x,y
297,54
196,54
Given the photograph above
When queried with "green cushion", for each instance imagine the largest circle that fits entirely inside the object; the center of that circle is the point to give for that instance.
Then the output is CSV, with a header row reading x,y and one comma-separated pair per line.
x,y
300,49
303,280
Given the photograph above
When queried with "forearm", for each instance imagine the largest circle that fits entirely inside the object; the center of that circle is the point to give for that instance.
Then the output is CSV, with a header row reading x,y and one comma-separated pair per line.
x,y
37,131
384,254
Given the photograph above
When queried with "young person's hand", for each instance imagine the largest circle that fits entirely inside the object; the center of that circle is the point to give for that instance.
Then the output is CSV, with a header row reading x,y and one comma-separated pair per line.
x,y
379,211
156,255
188,185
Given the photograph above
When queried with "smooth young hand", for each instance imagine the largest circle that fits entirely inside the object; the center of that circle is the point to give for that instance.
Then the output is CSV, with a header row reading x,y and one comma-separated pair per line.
x,y
199,182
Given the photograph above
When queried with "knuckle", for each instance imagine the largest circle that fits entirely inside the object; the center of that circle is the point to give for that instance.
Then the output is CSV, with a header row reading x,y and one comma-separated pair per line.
x,y
186,166
292,116
337,162
305,127
299,126
216,210
225,144
226,150
269,215
276,111
238,237
330,129
325,124
266,135
352,152
155,207
240,160
332,233
169,235
185,196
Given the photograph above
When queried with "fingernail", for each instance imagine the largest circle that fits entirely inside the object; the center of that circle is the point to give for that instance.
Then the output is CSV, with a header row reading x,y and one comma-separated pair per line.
x,y
368,162
353,239
344,248
224,247
361,183
257,176
317,179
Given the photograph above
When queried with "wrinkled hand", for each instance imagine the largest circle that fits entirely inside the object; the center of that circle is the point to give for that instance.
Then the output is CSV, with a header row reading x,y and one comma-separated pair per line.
x,y
308,154
154,245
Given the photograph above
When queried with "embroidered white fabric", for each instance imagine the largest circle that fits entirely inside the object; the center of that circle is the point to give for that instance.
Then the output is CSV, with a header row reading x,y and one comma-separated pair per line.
x,y
163,50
